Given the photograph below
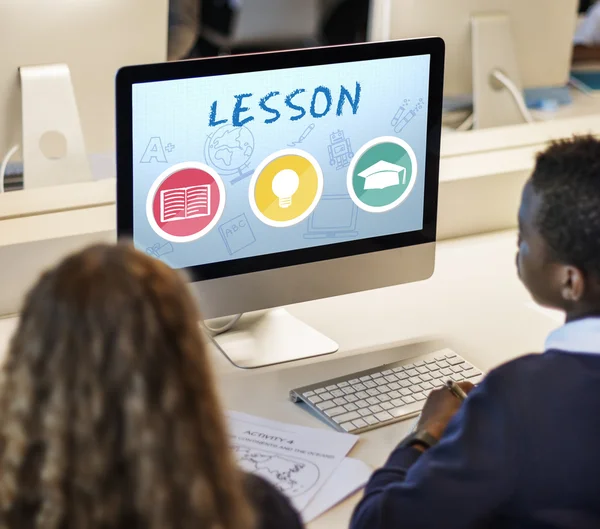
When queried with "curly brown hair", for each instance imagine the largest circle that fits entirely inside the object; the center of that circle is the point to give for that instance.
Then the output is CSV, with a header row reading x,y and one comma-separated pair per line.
x,y
109,417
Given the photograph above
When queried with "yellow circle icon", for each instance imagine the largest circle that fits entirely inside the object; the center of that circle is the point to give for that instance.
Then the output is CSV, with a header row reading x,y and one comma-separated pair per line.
x,y
286,188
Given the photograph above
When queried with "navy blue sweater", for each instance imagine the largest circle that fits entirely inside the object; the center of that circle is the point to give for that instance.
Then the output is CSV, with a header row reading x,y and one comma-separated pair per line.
x,y
523,452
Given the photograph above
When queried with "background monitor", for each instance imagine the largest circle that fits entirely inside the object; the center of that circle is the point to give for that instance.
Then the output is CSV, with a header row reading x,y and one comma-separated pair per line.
x,y
94,38
284,177
530,41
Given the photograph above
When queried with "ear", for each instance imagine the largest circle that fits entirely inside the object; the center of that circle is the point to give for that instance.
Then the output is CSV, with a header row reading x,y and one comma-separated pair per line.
x,y
573,284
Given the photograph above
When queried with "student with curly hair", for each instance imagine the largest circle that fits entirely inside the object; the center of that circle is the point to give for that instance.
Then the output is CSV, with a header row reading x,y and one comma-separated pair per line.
x,y
109,417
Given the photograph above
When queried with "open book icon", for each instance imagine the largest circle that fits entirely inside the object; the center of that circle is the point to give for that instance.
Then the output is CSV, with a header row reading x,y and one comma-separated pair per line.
x,y
185,203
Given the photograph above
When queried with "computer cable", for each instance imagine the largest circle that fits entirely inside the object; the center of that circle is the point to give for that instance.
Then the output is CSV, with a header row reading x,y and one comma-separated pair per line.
x,y
11,152
515,93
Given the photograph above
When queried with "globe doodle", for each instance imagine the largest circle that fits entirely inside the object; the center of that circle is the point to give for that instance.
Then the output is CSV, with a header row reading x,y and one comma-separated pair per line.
x,y
229,150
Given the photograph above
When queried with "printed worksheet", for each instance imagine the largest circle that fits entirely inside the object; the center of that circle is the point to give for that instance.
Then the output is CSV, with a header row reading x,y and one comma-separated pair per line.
x,y
295,459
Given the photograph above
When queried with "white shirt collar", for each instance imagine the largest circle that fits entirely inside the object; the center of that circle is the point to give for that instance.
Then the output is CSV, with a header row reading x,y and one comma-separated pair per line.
x,y
580,336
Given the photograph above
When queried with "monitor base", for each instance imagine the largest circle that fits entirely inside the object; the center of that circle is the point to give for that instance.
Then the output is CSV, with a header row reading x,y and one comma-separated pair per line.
x,y
270,338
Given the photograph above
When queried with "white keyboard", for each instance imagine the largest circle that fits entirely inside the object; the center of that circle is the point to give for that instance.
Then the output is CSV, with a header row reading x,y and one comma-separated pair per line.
x,y
386,394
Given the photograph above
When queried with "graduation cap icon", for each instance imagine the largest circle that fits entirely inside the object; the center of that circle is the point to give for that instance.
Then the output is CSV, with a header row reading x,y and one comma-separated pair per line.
x,y
383,174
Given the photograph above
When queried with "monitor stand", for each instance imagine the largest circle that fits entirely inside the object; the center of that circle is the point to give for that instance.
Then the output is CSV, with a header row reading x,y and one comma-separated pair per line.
x,y
493,50
272,337
53,147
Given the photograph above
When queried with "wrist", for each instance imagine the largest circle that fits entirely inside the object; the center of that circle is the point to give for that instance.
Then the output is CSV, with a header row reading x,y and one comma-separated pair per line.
x,y
420,440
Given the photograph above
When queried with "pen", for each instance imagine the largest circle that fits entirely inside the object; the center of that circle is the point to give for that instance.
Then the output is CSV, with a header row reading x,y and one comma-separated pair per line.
x,y
456,390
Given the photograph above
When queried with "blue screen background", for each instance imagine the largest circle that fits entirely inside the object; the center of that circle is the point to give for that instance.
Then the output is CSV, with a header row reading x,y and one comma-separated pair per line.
x,y
174,117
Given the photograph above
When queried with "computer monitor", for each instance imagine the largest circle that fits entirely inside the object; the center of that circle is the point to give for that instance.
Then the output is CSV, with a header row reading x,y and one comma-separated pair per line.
x,y
529,41
279,178
60,41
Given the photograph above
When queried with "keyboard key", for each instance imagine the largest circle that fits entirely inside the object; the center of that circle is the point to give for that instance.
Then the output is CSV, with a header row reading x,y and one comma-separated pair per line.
x,y
376,409
405,392
370,384
387,372
373,401
349,390
476,379
362,404
309,394
419,396
364,412
419,363
365,378
405,383
447,372
384,388
405,410
391,378
350,398
359,423
351,407
371,419
359,387
426,377
403,375
315,399
350,416
354,381
319,391
440,358
383,416
457,369
386,405
435,374
414,380
430,361
373,391
394,394
348,426
451,355
343,385
332,412
326,405
394,386
412,372
427,386
398,369
422,370
340,401
442,364
337,393
383,398
470,373
326,396
362,394
332,387
408,400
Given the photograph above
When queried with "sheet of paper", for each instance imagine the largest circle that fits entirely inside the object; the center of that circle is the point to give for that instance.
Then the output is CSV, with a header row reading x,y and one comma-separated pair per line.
x,y
350,476
295,459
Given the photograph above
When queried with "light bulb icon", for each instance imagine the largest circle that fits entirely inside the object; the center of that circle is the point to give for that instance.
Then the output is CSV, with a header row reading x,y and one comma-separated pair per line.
x,y
285,184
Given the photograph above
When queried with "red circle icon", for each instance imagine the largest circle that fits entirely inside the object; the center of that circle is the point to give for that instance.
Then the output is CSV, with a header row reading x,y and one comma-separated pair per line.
x,y
185,202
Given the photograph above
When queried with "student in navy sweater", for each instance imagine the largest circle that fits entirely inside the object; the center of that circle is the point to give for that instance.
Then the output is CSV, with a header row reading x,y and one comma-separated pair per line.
x,y
523,450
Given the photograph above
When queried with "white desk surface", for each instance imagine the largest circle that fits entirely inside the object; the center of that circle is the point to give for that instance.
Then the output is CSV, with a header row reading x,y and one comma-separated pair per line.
x,y
474,304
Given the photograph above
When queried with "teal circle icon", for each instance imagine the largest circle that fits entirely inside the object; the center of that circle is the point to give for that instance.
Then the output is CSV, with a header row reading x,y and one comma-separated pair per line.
x,y
382,174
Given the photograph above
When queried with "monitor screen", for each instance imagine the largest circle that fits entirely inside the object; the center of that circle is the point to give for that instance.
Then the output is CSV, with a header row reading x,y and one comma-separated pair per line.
x,y
231,167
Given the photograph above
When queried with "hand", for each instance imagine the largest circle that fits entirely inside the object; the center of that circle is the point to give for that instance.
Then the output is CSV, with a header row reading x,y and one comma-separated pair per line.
x,y
440,407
